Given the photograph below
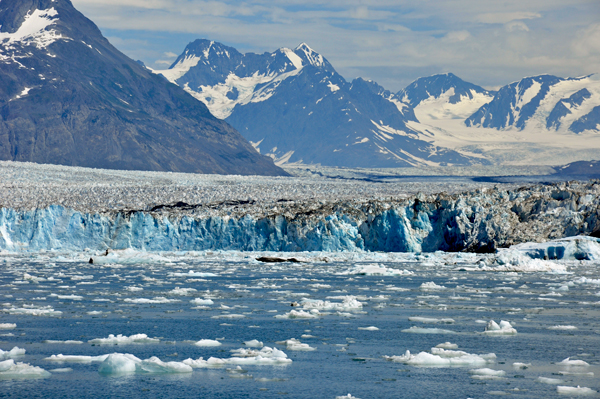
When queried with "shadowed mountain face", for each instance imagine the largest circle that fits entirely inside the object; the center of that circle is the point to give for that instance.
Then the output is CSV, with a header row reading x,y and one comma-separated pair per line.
x,y
294,106
67,96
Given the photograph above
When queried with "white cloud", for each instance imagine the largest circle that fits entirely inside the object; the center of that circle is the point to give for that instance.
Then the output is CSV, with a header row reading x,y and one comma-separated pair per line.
x,y
505,17
516,26
457,36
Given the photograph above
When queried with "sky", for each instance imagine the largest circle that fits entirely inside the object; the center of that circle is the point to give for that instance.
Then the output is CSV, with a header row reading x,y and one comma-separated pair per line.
x,y
487,42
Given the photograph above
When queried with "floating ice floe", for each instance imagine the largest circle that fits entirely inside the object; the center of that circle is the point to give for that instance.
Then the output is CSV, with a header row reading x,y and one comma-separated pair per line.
x,y
253,343
156,300
9,370
14,352
119,363
573,363
579,391
124,340
504,328
349,396
587,281
420,330
447,345
440,357
521,366
371,328
299,314
32,310
201,302
181,291
375,270
265,357
551,381
431,320
67,342
295,345
349,303
7,326
192,273
60,358
487,374
207,342
71,297
431,286
565,328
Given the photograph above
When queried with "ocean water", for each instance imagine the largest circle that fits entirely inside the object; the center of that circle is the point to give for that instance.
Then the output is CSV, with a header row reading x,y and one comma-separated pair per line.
x,y
412,305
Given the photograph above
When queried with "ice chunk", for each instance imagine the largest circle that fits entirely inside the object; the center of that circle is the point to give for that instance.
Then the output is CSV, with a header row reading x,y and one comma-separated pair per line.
x,y
124,340
201,302
34,311
253,343
552,381
119,363
156,366
14,352
579,391
371,328
349,303
505,328
375,270
298,314
265,357
346,397
192,273
573,363
207,342
7,326
443,359
565,328
181,291
160,299
431,320
60,358
487,373
420,330
431,286
447,345
67,342
295,345
9,369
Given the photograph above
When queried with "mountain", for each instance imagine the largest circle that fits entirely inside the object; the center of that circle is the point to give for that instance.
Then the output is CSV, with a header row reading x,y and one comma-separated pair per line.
x,y
295,107
67,96
543,102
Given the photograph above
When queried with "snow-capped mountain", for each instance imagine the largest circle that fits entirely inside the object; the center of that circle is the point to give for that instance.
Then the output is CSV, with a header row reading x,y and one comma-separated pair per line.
x,y
543,102
69,97
294,106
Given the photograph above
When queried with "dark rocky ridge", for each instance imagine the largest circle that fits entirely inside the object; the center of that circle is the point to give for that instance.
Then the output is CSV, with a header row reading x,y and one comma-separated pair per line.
x,y
90,105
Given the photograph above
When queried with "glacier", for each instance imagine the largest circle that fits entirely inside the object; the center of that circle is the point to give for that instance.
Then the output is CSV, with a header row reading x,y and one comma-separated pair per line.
x,y
478,221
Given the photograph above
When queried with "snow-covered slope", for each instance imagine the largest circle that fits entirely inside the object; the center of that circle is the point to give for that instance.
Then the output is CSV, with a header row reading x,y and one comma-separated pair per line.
x,y
69,97
293,106
544,102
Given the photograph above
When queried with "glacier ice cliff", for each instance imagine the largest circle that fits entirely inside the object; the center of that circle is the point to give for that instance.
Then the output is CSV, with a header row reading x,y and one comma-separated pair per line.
x,y
477,221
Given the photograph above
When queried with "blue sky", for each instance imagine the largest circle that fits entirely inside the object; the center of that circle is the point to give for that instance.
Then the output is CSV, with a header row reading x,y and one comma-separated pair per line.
x,y
487,42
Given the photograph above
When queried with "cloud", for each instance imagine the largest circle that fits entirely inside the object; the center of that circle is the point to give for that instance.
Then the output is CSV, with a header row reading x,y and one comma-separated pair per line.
x,y
391,41
505,17
457,36
516,26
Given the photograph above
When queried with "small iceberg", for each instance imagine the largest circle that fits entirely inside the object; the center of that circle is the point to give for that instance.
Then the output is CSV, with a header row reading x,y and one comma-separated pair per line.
x,y
504,328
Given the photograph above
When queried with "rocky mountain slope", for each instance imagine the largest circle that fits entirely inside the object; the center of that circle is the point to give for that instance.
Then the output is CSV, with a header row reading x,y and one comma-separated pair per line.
x,y
294,106
67,96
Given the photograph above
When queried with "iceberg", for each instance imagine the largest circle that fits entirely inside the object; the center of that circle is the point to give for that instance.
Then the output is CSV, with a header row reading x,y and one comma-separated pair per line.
x,y
265,357
504,328
9,370
440,357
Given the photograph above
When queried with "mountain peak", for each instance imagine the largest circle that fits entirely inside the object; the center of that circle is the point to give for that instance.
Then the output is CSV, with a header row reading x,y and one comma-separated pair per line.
x,y
309,55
